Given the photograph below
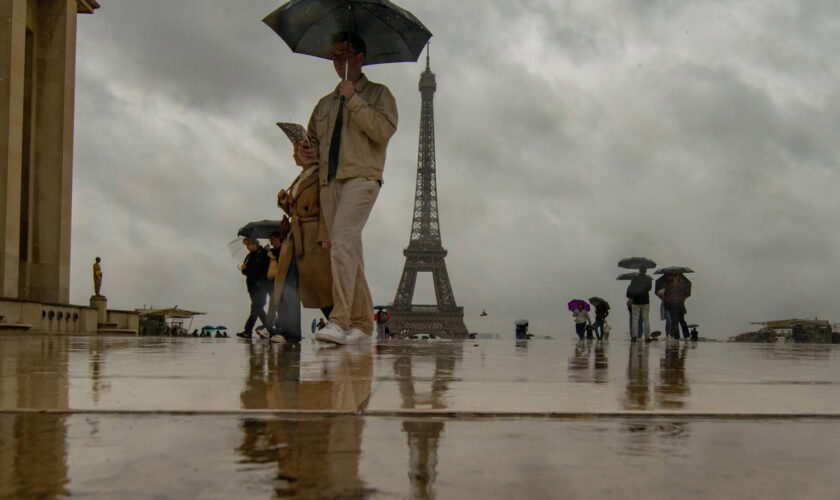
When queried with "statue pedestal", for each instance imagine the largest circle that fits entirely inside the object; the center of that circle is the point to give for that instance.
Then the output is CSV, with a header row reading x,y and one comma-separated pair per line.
x,y
100,303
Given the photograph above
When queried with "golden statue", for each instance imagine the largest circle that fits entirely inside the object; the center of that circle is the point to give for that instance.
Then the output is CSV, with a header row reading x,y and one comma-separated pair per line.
x,y
97,277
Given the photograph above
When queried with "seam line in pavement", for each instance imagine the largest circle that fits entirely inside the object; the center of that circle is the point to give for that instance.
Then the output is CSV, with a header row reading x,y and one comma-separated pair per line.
x,y
454,415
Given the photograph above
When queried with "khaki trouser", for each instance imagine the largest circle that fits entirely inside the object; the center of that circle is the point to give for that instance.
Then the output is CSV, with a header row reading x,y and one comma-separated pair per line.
x,y
346,205
642,310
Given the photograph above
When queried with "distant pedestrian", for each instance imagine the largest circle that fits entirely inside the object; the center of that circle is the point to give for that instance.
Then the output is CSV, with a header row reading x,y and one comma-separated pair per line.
x,y
674,289
382,331
602,310
255,269
638,293
582,320
521,329
275,241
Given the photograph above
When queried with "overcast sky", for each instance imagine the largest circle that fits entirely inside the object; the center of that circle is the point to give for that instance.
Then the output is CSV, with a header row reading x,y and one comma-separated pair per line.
x,y
569,135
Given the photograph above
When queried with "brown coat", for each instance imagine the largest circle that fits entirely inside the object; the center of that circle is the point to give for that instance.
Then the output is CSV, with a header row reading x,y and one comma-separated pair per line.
x,y
308,228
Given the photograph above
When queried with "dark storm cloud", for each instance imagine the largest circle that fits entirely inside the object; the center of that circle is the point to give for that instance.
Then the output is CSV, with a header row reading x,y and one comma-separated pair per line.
x,y
569,135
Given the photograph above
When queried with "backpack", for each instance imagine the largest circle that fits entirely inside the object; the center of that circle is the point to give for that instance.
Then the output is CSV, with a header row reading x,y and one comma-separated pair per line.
x,y
639,286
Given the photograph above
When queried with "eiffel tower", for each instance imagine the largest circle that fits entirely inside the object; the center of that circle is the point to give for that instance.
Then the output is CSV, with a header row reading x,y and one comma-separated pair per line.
x,y
425,252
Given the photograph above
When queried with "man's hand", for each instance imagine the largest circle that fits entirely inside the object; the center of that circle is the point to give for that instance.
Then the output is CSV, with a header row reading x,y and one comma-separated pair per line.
x,y
282,196
346,90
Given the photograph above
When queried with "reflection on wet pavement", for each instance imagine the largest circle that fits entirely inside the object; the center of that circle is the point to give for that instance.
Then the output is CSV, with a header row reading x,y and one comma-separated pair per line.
x,y
225,456
422,420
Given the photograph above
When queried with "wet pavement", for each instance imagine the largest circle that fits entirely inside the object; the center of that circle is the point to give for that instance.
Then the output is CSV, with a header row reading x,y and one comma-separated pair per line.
x,y
110,417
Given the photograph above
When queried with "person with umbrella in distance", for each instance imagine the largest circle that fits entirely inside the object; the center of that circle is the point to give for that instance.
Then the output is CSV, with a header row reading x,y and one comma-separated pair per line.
x,y
255,269
580,313
602,310
674,288
638,296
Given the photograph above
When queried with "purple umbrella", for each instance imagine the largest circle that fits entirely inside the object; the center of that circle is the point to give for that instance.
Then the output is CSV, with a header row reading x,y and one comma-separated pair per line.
x,y
575,304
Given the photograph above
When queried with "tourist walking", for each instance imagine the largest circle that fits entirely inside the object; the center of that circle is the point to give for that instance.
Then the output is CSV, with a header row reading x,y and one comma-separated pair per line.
x,y
582,320
351,128
638,295
255,269
602,310
303,263
674,289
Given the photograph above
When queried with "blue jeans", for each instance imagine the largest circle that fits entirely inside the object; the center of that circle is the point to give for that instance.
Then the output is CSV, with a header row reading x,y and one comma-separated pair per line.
x,y
599,327
580,329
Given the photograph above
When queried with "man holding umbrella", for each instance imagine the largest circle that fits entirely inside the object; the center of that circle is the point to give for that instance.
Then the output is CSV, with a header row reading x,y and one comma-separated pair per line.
x,y
638,296
349,131
674,288
350,128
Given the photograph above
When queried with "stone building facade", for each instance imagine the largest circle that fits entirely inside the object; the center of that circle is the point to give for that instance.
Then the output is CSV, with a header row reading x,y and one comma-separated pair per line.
x,y
37,86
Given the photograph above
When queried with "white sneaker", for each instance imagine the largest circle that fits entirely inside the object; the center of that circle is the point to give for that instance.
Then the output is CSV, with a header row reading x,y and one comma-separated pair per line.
x,y
356,336
261,332
331,333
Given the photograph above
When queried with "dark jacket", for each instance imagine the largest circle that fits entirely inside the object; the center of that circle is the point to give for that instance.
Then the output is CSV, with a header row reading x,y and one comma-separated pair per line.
x,y
602,310
256,269
639,290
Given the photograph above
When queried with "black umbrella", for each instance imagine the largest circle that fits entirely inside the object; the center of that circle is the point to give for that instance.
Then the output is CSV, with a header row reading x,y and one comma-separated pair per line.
x,y
683,281
259,229
598,300
674,270
391,33
627,276
636,263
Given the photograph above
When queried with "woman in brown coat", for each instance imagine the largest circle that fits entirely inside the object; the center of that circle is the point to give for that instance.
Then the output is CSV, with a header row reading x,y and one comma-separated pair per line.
x,y
303,267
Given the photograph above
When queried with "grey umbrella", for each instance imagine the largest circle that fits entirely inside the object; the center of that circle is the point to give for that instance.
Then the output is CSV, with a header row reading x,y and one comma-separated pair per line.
x,y
627,276
674,270
391,33
259,229
636,263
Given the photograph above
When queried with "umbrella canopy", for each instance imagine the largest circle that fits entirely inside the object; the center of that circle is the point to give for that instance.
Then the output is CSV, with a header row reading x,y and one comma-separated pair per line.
x,y
521,322
170,313
259,229
221,327
391,33
598,300
674,270
627,276
674,281
208,327
574,305
636,263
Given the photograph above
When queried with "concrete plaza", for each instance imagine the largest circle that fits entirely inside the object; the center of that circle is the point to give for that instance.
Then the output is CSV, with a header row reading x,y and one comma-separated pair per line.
x,y
110,417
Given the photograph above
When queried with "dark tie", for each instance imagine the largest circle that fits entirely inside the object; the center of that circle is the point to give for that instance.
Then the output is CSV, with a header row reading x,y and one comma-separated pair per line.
x,y
335,143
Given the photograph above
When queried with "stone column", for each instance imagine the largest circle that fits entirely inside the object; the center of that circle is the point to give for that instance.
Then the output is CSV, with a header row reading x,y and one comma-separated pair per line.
x,y
53,138
12,67
100,303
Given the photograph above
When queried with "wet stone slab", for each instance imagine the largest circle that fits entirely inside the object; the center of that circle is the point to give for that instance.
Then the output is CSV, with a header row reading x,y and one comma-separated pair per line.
x,y
222,456
102,417
200,375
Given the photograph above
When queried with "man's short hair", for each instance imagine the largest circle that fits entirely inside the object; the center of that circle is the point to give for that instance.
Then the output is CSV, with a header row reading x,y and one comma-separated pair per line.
x,y
249,241
353,39
276,234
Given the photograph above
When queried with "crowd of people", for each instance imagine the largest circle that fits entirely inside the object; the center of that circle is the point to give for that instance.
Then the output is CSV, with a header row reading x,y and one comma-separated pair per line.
x,y
315,258
673,289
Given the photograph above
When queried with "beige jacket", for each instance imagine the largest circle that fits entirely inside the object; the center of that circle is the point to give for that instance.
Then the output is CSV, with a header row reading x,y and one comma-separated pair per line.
x,y
370,119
